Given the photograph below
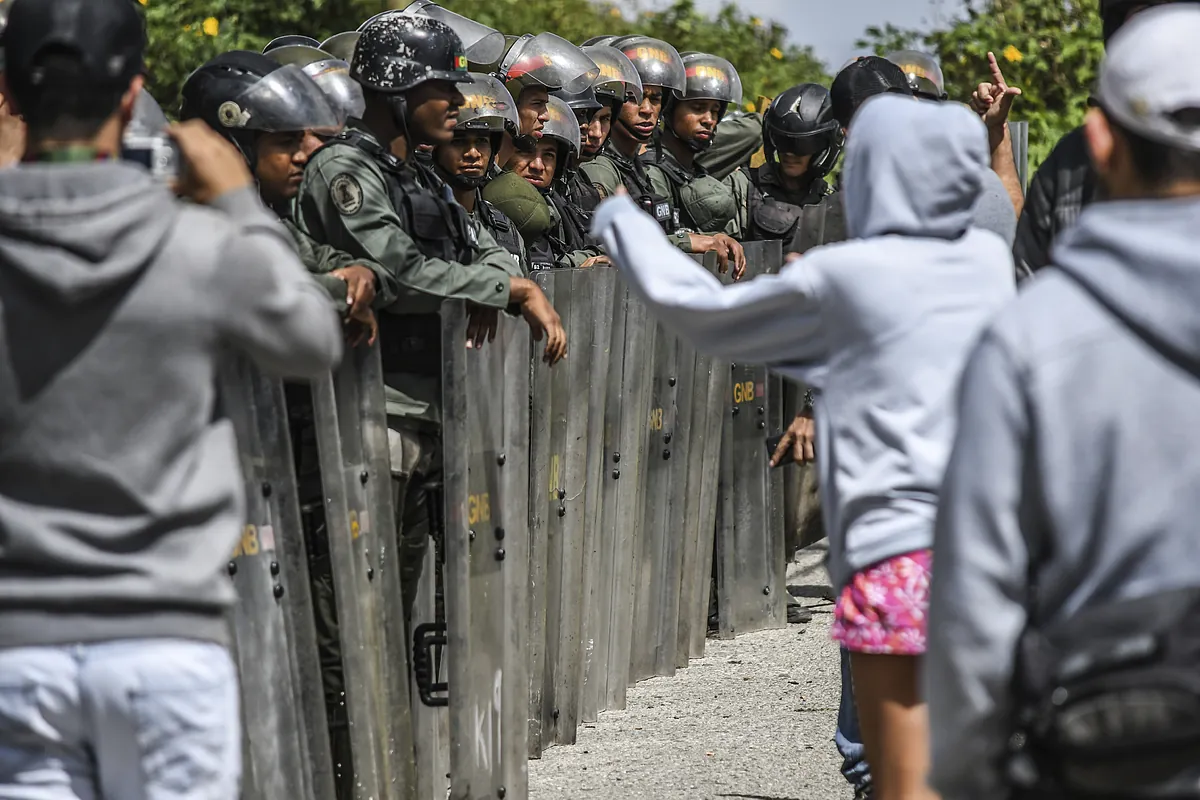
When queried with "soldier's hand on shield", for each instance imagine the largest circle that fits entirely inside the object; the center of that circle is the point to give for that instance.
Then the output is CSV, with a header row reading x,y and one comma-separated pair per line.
x,y
212,166
799,438
362,326
360,287
541,317
992,101
727,249
595,261
481,326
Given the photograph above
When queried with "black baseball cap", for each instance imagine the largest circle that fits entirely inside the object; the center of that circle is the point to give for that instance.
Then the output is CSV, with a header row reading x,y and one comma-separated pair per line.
x,y
861,79
106,36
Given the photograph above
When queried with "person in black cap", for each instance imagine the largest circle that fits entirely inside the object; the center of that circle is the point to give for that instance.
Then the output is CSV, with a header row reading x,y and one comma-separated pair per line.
x,y
121,496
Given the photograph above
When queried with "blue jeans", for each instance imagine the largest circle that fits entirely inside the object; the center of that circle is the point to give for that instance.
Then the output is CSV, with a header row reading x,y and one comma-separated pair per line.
x,y
149,719
847,737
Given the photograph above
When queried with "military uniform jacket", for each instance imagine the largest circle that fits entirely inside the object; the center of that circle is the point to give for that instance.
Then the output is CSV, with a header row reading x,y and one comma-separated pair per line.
x,y
705,204
610,169
358,198
321,260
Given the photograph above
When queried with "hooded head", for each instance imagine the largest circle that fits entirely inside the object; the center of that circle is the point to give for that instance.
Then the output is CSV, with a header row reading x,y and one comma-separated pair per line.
x,y
913,168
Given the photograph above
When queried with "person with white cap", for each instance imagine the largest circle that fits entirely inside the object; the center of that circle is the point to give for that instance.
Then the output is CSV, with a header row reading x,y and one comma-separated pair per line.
x,y
1065,610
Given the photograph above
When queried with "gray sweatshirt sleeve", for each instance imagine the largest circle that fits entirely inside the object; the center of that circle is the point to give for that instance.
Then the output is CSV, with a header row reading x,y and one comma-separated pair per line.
x,y
772,319
267,304
977,603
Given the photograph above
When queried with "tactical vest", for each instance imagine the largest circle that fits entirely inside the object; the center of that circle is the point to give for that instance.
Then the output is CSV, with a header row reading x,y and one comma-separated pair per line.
x,y
439,227
581,193
502,229
704,204
574,224
773,214
541,254
637,183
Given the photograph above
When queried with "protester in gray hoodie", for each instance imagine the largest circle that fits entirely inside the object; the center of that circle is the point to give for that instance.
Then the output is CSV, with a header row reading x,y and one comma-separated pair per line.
x,y
1074,484
120,492
880,326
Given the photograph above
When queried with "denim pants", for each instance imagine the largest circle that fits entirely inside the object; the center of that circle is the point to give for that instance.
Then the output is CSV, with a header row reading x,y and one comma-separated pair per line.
x,y
847,737
146,719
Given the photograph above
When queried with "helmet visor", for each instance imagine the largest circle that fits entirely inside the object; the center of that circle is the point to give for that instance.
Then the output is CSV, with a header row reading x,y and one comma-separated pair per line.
x,y
488,103
806,144
618,78
483,45
710,78
562,125
285,100
657,62
346,94
341,45
550,61
922,71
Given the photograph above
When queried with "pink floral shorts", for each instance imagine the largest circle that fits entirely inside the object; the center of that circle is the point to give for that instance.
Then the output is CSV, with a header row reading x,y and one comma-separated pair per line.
x,y
883,609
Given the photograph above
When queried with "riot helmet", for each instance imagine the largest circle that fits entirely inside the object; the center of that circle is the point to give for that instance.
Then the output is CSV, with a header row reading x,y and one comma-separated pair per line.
x,y
584,104
480,43
546,60
657,63
242,94
618,81
290,40
396,52
800,121
489,110
331,74
923,73
598,41
341,45
562,129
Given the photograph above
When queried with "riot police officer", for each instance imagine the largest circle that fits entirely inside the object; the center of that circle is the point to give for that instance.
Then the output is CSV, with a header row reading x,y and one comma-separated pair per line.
x,y
332,74
801,143
466,162
363,193
690,119
595,109
661,71
568,243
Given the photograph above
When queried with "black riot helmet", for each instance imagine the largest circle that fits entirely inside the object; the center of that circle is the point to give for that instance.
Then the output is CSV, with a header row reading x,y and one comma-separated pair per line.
x,y
584,104
480,42
290,40
242,94
923,73
396,52
801,121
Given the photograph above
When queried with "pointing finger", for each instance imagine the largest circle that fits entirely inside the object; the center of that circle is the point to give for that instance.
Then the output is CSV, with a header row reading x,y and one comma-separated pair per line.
x,y
997,75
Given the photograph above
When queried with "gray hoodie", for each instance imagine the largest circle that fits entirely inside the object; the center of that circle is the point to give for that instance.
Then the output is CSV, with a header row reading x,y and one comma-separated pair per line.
x,y
880,325
1076,461
120,495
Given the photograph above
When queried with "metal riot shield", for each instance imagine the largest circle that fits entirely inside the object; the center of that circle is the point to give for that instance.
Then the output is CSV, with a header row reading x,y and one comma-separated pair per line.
x,y
486,451
751,568
431,724
709,390
351,425
610,605
566,401
286,739
668,423
1019,133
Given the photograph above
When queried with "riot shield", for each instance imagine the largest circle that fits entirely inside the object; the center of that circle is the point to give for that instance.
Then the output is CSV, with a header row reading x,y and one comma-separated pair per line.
x,y
566,400
286,740
431,724
610,605
351,425
709,389
486,450
751,568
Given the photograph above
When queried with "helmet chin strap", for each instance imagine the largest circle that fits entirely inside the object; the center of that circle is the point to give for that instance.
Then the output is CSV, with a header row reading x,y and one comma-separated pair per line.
x,y
630,130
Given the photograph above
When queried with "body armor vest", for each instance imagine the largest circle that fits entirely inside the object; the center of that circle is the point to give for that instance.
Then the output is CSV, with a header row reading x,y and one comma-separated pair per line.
x,y
502,229
774,214
439,227
704,204
637,183
581,193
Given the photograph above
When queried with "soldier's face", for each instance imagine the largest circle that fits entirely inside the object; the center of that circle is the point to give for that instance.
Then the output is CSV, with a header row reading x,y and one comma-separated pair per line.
x,y
696,120
643,117
538,167
466,155
279,166
594,133
793,165
533,106
435,106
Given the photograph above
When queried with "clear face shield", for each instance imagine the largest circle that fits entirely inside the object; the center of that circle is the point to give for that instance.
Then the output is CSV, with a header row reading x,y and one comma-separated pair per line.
x,y
287,100
330,73
550,61
618,79
657,62
482,44
711,78
923,72
487,101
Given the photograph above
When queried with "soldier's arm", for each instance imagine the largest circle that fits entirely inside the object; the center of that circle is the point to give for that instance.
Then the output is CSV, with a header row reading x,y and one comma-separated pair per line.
x,y
603,175
361,221
489,251
575,258
322,259
739,183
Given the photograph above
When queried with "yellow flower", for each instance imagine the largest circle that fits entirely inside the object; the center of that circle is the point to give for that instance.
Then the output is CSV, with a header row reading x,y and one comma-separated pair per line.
x,y
187,28
776,53
212,26
614,12
1011,53
755,21
143,2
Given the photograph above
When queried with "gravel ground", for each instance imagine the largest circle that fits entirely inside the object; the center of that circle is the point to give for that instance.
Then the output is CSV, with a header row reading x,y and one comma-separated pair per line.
x,y
753,719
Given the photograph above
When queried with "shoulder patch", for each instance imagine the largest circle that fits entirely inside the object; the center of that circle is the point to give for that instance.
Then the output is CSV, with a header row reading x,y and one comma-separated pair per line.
x,y
346,193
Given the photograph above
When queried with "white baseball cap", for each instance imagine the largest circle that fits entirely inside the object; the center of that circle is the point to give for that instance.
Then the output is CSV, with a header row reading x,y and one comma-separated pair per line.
x,y
1149,75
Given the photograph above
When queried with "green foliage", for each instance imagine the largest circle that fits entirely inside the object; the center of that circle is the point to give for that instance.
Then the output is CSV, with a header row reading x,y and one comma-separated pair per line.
x,y
1049,48
179,41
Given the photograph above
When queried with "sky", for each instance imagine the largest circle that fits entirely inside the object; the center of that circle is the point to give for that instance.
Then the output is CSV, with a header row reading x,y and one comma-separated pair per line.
x,y
831,26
